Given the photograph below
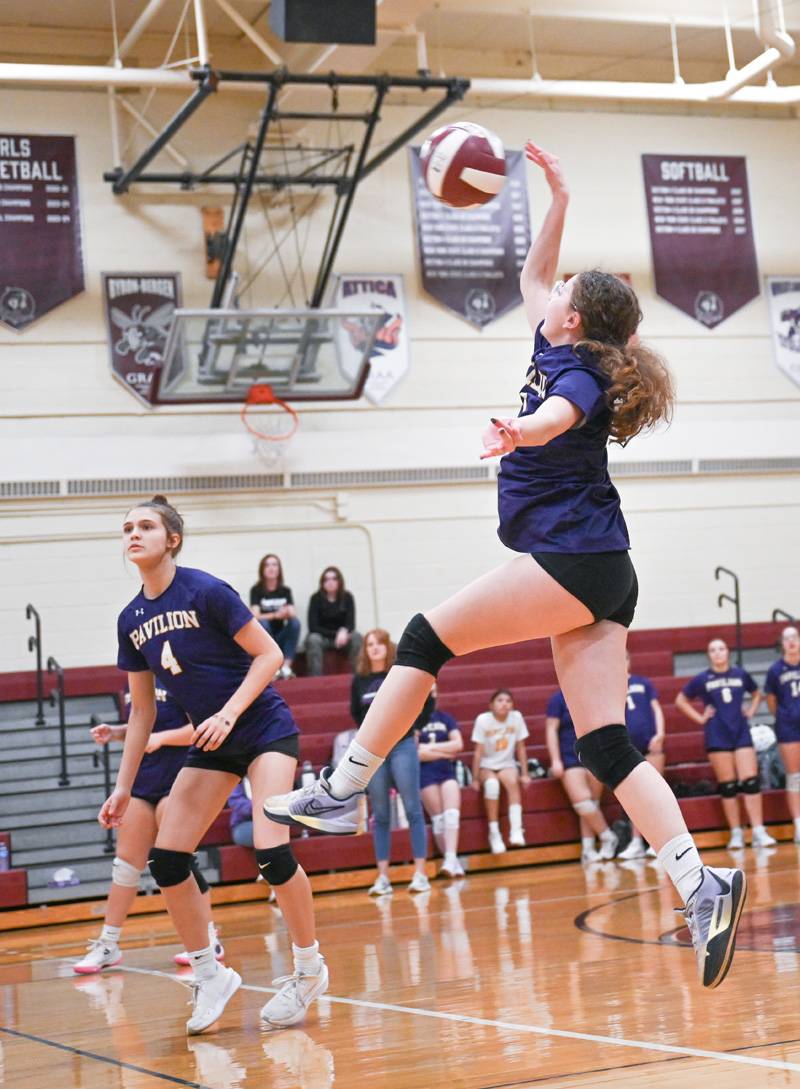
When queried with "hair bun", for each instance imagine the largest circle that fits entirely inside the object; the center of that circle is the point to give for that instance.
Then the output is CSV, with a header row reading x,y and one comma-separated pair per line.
x,y
161,499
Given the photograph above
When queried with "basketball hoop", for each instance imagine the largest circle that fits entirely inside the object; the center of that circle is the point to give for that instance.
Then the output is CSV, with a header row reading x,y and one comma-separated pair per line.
x,y
275,428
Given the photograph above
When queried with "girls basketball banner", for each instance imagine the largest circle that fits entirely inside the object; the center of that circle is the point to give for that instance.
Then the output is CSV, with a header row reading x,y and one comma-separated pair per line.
x,y
783,296
139,308
470,259
704,256
40,227
389,356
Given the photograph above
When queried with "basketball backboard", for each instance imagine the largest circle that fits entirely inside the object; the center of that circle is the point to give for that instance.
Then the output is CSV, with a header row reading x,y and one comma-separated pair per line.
x,y
304,355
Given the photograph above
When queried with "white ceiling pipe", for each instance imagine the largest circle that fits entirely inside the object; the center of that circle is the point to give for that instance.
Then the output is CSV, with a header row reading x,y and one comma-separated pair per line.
x,y
96,75
201,32
138,28
778,48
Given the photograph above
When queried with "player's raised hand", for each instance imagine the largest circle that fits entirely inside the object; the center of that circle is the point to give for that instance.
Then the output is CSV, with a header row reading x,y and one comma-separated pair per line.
x,y
550,164
500,437
113,809
210,734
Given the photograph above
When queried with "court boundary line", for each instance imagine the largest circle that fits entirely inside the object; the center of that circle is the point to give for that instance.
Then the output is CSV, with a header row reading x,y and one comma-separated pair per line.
x,y
510,1026
173,1078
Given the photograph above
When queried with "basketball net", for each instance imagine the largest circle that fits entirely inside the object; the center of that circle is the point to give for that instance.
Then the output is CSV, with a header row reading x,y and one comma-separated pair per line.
x,y
272,432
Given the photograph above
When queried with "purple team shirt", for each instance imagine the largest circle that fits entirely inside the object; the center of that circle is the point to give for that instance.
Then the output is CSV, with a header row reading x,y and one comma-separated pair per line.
x,y
639,715
185,638
559,497
724,692
783,682
557,708
158,770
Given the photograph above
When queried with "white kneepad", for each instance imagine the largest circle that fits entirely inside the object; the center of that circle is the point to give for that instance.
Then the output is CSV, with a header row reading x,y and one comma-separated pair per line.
x,y
452,818
437,823
123,873
793,782
586,807
491,789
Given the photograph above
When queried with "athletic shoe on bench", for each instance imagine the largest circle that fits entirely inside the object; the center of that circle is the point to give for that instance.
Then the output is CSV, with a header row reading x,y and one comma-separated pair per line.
x,y
99,955
712,914
315,807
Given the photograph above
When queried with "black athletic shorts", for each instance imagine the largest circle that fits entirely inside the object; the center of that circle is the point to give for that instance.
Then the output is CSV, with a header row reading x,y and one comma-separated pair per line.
x,y
605,582
237,761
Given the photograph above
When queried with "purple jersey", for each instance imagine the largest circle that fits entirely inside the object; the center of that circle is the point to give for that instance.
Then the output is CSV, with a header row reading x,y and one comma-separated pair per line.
x,y
639,715
185,638
724,692
783,682
437,729
559,497
158,770
557,708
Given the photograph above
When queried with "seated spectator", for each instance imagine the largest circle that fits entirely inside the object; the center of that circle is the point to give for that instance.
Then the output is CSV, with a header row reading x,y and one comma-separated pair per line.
x,y
726,726
331,622
497,734
782,688
400,768
645,721
580,786
439,742
273,606
240,804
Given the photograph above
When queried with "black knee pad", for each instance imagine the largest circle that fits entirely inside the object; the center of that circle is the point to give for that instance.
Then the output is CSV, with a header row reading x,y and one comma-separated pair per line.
x,y
751,785
421,648
728,789
608,754
202,884
277,864
170,867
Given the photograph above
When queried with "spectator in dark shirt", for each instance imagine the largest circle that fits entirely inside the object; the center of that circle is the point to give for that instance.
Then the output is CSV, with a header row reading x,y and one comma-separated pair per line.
x,y
273,606
400,769
331,622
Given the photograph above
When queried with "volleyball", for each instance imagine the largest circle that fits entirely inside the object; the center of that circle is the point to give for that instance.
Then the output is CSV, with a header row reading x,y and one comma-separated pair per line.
x,y
464,165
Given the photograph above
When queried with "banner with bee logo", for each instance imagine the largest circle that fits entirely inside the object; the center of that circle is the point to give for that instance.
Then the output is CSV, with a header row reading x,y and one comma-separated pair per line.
x,y
783,295
389,356
139,308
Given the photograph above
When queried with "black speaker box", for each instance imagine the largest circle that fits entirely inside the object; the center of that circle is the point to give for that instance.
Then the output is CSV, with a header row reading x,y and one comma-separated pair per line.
x,y
344,22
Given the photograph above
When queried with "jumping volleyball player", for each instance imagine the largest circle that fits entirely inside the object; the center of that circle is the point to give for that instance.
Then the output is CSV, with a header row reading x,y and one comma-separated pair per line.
x,y
589,381
193,633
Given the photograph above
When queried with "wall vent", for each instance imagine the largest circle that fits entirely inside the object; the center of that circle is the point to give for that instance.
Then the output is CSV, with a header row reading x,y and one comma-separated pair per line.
x,y
651,468
151,485
352,478
748,465
28,489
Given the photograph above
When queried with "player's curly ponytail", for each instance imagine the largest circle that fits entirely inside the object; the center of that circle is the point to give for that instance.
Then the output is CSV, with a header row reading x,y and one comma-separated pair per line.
x,y
173,523
641,392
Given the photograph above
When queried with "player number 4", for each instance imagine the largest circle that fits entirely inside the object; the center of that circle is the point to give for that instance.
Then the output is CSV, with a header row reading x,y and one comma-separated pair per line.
x,y
169,661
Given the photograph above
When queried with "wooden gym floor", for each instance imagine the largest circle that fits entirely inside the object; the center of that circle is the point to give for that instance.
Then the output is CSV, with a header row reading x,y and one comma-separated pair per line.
x,y
554,976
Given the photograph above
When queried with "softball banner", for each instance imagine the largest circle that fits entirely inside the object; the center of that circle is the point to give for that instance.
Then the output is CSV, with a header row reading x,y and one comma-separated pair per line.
x,y
783,297
389,358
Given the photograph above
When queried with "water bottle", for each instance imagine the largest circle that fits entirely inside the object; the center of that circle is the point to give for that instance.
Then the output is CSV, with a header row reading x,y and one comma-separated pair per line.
x,y
4,858
307,776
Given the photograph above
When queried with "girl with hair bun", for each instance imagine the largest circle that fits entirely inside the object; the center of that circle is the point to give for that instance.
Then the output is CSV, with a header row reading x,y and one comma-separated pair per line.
x,y
192,634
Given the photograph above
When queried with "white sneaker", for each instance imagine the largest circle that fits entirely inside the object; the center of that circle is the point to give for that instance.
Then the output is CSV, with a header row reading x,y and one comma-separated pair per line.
x,y
451,867
736,842
496,845
635,849
99,955
296,994
516,837
182,958
608,845
419,883
210,997
381,887
763,839
589,855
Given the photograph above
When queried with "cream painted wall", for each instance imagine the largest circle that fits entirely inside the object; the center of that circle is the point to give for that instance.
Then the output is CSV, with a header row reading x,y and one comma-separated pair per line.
x,y
401,548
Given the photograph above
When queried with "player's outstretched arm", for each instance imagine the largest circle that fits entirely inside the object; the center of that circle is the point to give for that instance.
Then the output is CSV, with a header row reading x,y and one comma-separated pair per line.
x,y
539,271
552,419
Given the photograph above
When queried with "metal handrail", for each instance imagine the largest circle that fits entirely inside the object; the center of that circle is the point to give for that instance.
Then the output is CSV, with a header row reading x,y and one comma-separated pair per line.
x,y
103,756
778,614
735,600
35,643
57,698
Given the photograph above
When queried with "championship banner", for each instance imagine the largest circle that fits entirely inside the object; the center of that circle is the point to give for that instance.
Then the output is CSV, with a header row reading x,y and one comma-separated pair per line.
x,y
471,259
783,296
704,256
139,310
389,357
40,227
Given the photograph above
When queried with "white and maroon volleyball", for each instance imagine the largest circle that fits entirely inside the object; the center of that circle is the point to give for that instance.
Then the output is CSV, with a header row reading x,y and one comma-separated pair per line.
x,y
464,165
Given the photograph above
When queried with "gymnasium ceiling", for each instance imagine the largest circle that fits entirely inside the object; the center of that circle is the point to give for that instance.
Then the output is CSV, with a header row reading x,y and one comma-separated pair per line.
x,y
626,40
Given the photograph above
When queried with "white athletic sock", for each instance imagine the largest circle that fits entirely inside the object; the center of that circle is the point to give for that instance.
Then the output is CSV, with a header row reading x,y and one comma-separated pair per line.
x,y
680,859
494,827
110,934
450,857
515,817
587,843
607,835
758,829
204,963
354,771
797,826
306,959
